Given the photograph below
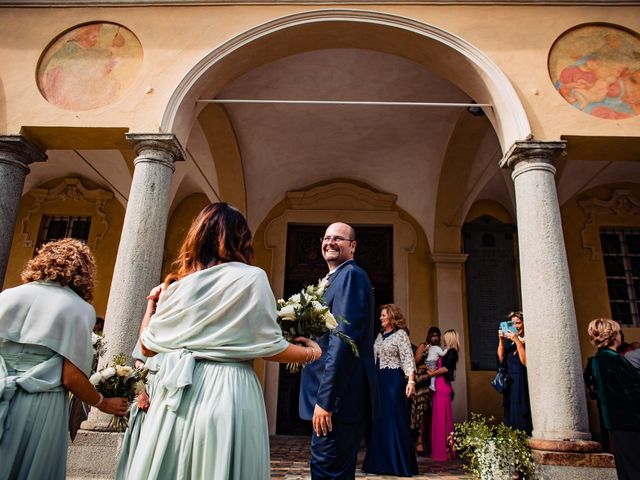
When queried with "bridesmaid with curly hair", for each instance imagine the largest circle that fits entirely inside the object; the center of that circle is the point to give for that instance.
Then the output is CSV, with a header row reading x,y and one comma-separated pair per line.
x,y
45,351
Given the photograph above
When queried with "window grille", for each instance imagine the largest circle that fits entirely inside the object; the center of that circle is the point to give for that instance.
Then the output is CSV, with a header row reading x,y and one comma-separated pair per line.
x,y
492,288
57,227
621,257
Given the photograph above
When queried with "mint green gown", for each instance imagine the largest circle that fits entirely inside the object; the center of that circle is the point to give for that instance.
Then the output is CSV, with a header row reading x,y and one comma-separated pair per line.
x,y
207,416
40,323
137,417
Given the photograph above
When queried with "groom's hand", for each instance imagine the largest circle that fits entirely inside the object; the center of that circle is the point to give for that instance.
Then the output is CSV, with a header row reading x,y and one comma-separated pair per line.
x,y
321,421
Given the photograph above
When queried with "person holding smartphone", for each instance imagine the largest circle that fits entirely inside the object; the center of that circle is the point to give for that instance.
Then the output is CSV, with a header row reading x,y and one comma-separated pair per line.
x,y
512,353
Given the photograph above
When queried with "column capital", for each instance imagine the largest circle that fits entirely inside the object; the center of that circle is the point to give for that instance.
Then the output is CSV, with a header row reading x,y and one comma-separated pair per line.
x,y
532,151
18,151
161,148
449,259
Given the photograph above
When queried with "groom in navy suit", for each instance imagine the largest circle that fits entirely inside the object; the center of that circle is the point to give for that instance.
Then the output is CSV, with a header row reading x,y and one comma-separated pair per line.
x,y
339,392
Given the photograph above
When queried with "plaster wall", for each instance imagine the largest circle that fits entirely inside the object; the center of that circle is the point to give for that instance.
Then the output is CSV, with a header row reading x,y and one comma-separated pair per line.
x,y
30,216
174,39
586,266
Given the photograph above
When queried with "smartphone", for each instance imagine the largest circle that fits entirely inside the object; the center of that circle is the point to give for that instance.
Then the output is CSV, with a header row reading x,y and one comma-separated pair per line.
x,y
508,327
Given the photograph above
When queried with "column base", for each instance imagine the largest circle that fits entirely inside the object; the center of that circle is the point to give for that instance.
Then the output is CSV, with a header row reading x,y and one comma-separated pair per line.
x,y
97,421
93,455
568,460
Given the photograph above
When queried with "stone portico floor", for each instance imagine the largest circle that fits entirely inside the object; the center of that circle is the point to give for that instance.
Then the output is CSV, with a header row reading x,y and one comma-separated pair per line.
x,y
290,461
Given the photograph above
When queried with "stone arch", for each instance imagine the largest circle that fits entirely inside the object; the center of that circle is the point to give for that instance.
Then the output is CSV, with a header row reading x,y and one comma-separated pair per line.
x,y
447,54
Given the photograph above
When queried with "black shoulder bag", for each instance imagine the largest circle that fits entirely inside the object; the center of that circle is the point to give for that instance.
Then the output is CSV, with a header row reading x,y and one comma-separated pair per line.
x,y
502,380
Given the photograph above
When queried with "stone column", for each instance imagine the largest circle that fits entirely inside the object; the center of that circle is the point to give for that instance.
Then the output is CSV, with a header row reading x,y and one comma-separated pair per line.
x,y
139,261
16,153
554,365
450,304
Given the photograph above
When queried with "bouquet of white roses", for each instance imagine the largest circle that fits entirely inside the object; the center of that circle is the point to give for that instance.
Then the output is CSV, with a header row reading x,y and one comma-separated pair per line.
x,y
306,314
119,380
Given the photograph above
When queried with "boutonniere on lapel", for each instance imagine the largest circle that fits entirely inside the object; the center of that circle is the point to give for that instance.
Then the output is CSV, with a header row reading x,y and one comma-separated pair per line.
x,y
306,314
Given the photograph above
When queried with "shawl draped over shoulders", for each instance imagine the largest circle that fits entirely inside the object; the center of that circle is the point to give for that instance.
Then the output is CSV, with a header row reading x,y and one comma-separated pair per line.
x,y
48,314
226,313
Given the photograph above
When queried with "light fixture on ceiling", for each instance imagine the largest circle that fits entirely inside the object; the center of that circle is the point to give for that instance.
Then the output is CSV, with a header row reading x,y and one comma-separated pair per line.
x,y
475,110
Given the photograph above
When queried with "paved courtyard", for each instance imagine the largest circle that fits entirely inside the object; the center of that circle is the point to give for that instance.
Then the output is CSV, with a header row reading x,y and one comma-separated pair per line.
x,y
289,461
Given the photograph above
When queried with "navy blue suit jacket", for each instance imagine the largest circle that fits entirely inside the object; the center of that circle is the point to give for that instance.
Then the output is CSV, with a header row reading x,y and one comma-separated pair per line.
x,y
340,382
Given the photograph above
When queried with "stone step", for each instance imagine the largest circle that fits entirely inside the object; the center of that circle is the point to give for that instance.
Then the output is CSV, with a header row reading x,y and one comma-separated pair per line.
x,y
93,455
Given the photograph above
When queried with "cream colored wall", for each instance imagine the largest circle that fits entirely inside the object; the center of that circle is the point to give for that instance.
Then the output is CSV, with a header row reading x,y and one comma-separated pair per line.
x,y
30,217
174,39
586,266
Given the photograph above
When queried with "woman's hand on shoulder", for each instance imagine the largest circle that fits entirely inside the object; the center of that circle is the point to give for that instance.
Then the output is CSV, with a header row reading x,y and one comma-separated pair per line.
x,y
115,406
156,291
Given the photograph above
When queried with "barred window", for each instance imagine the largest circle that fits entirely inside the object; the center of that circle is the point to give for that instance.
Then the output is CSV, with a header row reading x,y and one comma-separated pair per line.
x,y
621,256
56,227
492,287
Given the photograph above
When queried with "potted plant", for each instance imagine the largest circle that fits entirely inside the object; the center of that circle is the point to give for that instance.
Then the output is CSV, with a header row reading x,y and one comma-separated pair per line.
x,y
493,451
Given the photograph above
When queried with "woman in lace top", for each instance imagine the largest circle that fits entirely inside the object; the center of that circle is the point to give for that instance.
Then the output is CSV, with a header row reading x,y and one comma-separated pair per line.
x,y
390,450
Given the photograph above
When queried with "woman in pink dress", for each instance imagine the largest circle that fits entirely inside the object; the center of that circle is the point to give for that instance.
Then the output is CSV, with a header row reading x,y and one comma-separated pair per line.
x,y
442,417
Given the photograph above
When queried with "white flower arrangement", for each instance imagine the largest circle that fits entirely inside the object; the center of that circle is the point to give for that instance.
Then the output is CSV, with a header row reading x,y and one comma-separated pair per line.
x,y
119,380
306,314
493,451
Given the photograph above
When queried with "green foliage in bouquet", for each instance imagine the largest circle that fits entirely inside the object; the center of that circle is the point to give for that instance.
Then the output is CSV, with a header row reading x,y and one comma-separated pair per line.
x,y
306,314
119,380
493,450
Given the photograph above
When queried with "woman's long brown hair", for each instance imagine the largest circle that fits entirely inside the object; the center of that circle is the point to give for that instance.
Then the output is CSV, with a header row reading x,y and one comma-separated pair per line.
x,y
219,234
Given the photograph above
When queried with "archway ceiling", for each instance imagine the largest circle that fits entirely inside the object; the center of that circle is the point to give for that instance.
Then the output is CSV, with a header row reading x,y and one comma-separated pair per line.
x,y
395,149
106,168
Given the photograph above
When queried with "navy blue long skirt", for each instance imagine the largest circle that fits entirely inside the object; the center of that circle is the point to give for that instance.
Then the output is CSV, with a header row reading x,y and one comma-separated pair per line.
x,y
390,449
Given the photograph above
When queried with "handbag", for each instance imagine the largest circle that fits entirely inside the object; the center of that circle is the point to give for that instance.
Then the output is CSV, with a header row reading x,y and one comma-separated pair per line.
x,y
502,380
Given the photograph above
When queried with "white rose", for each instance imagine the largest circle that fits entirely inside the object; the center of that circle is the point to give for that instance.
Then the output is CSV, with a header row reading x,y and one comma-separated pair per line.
x,y
318,307
95,338
330,320
287,313
108,372
124,371
295,298
95,378
138,387
322,286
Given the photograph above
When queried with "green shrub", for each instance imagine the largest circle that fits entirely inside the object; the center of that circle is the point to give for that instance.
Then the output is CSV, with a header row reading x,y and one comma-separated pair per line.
x,y
493,451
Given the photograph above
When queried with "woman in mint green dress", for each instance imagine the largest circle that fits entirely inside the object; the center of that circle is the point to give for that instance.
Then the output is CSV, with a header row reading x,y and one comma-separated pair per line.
x,y
45,350
207,416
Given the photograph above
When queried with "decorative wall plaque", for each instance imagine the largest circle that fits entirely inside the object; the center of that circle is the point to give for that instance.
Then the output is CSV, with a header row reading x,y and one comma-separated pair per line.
x,y
596,68
89,66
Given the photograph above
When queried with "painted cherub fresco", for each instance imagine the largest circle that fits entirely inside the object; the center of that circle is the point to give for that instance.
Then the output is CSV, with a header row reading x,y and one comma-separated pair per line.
x,y
598,80
83,69
589,81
